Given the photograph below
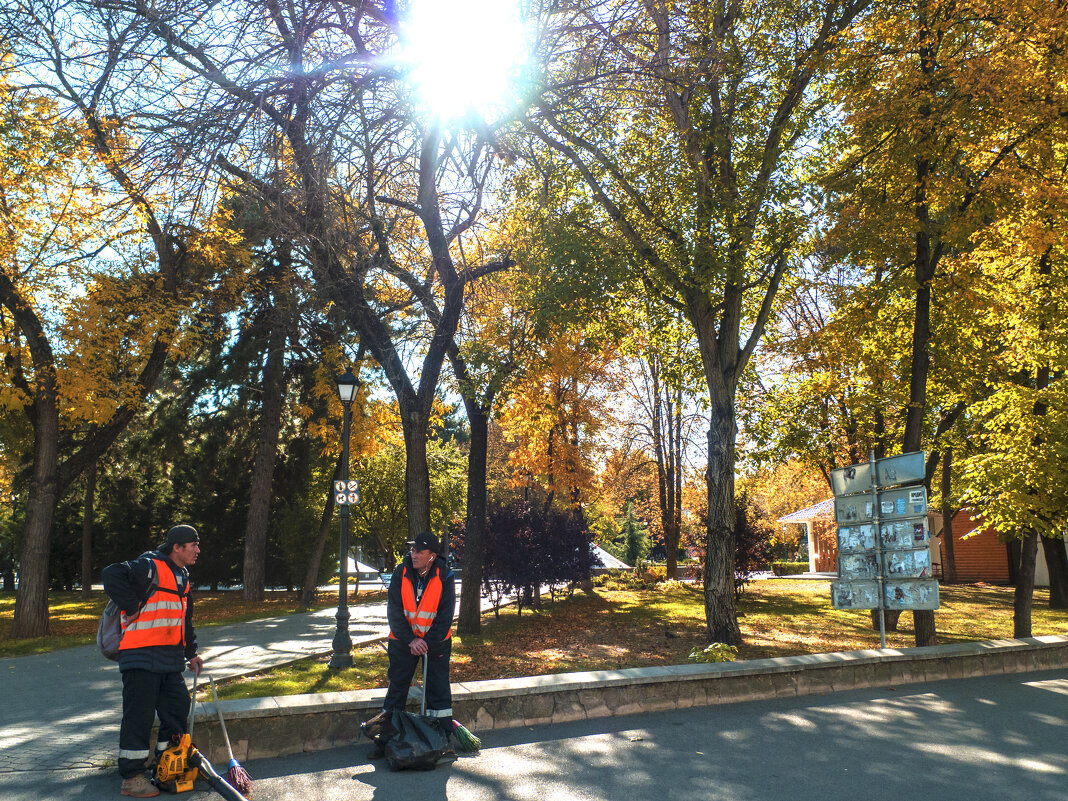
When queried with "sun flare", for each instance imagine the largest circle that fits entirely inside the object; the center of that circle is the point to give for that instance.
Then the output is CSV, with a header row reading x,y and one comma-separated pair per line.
x,y
466,57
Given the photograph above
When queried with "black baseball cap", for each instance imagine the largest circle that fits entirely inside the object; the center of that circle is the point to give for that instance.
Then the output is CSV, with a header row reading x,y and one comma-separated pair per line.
x,y
180,535
425,541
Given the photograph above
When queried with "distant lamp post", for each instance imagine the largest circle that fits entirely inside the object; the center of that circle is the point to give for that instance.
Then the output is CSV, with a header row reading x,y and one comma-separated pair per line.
x,y
345,493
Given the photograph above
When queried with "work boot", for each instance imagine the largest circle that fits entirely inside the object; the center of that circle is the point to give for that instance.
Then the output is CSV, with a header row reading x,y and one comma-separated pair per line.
x,y
139,787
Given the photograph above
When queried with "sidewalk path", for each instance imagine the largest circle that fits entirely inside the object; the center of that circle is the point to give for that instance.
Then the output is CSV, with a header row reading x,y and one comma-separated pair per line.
x,y
61,710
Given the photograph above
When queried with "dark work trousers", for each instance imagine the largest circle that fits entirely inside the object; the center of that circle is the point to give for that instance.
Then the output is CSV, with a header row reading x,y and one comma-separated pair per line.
x,y
144,696
402,667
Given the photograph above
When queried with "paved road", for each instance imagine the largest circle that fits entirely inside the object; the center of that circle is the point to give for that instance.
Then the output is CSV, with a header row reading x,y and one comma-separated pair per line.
x,y
61,710
987,739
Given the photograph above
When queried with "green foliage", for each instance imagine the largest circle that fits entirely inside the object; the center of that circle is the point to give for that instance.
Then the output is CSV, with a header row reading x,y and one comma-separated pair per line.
x,y
716,652
635,539
645,578
789,568
380,519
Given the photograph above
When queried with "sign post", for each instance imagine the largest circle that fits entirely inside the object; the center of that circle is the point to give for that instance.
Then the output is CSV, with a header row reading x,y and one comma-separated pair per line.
x,y
884,557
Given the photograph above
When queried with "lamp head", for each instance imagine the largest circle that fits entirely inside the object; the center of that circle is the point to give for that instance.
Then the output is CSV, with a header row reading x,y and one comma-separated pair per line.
x,y
347,384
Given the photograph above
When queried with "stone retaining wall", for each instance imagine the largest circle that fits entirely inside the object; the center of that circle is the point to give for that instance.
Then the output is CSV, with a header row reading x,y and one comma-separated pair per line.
x,y
269,727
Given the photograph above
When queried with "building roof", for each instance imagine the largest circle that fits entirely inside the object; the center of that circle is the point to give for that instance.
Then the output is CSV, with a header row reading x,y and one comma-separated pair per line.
x,y
607,560
819,511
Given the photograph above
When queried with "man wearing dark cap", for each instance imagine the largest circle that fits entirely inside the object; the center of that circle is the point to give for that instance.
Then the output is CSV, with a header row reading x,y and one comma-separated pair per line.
x,y
420,606
158,643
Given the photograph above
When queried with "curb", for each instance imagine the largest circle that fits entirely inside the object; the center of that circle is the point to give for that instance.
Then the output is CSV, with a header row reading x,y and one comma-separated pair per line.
x,y
277,726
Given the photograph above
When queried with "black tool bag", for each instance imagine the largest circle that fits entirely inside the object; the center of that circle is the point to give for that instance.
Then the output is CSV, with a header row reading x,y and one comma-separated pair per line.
x,y
417,742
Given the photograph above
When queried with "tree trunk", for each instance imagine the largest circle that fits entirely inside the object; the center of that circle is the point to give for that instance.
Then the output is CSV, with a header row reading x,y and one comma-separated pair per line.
x,y
720,613
470,616
1023,597
315,558
949,569
1057,563
921,360
416,426
924,622
255,568
87,532
31,598
890,619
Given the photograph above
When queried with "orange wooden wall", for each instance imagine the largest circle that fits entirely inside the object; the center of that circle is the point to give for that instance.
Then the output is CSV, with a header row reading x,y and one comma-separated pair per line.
x,y
980,557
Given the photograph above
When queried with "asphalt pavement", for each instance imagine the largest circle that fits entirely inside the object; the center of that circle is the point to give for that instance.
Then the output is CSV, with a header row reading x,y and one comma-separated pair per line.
x,y
61,710
985,739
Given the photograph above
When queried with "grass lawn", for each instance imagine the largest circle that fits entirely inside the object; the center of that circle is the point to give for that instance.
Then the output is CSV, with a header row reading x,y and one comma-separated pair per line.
x,y
632,628
73,621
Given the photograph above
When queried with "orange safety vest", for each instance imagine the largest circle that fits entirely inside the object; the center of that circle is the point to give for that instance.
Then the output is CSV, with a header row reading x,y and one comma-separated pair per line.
x,y
161,621
421,616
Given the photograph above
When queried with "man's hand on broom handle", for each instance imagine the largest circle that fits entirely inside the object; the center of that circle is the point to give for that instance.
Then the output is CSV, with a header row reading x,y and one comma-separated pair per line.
x,y
418,646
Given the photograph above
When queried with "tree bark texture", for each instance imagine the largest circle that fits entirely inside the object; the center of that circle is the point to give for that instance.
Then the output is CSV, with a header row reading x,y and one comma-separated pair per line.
x,y
31,597
721,615
469,620
87,531
315,558
1024,593
416,470
1056,554
949,569
273,392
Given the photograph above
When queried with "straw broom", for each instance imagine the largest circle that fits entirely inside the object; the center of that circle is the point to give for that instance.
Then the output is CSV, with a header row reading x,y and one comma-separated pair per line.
x,y
236,775
466,742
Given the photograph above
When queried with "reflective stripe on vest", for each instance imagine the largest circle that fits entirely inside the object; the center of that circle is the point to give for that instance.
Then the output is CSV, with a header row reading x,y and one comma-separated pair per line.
x,y
161,621
421,616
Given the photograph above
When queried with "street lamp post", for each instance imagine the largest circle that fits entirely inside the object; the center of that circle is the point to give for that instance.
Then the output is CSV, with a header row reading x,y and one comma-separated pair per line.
x,y
344,494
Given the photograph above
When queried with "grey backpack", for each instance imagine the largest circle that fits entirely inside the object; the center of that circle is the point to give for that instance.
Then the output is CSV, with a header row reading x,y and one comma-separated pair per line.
x,y
109,630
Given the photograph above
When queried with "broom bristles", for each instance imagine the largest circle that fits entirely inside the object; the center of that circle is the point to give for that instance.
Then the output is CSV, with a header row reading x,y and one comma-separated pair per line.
x,y
465,740
239,779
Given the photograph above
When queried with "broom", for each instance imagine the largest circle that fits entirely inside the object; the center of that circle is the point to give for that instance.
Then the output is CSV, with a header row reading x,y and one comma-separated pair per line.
x,y
466,742
236,775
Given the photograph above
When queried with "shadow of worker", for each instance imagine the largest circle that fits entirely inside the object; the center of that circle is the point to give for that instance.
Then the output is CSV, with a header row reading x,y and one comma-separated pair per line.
x,y
404,785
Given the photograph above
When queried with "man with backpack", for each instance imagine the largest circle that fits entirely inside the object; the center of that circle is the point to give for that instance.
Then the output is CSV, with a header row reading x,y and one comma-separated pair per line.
x,y
158,643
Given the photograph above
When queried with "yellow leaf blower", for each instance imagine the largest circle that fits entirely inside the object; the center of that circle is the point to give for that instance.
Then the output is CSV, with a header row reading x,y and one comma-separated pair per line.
x,y
180,765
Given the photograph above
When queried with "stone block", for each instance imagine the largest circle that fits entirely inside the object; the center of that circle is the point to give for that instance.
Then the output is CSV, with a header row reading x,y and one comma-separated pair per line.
x,y
622,701
905,672
657,697
566,708
594,704
483,720
815,682
972,667
535,710
936,669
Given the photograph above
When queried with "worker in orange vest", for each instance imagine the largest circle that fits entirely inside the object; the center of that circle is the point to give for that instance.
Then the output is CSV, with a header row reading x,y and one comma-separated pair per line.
x,y
158,643
420,607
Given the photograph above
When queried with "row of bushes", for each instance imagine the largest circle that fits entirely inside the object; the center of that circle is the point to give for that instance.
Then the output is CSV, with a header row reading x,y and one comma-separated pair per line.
x,y
789,568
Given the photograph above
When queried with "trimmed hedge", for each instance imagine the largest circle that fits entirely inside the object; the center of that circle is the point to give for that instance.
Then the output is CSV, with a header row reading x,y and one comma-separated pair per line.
x,y
789,568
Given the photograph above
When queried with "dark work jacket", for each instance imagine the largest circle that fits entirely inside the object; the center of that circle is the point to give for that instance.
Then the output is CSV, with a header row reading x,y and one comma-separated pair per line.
x,y
129,585
398,623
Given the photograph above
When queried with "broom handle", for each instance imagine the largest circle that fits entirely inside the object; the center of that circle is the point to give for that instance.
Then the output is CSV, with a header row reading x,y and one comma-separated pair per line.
x,y
222,722
423,709
193,707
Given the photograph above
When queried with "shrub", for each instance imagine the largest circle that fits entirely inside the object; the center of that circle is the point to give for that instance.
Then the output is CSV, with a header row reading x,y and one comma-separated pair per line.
x,y
643,579
789,568
527,548
716,652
